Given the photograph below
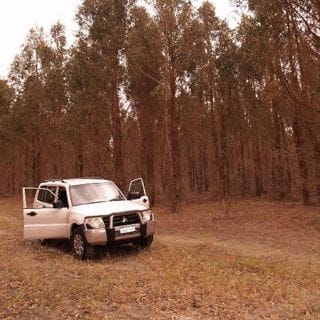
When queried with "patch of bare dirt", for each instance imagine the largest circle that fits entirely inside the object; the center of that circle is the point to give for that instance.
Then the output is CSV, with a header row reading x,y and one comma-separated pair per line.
x,y
256,226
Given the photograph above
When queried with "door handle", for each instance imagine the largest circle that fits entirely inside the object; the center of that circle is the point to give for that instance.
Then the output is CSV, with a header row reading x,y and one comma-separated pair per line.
x,y
31,214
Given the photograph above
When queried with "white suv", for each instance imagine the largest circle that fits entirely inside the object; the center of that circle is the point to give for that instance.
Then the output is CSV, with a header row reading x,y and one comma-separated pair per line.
x,y
90,212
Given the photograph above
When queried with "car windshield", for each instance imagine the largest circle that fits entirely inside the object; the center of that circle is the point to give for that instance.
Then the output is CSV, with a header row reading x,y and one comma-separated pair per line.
x,y
95,192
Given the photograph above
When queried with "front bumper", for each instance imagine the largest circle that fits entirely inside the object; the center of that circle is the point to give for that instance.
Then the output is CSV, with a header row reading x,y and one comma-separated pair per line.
x,y
113,235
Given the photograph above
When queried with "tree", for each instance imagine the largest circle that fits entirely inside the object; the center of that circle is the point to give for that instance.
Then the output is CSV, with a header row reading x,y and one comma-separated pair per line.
x,y
143,69
6,98
103,25
173,19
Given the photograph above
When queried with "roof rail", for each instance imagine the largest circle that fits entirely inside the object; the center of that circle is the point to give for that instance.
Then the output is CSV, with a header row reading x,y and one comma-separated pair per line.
x,y
63,180
92,177
52,180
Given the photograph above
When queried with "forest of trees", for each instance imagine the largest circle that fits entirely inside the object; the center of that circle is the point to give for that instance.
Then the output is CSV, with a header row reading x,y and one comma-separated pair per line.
x,y
172,94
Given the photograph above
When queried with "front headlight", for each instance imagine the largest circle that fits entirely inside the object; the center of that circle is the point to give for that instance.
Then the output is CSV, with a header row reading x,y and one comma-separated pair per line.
x,y
94,223
146,215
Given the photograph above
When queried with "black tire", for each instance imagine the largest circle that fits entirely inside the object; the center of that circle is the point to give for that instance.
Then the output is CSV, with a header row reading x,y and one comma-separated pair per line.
x,y
46,242
146,243
80,247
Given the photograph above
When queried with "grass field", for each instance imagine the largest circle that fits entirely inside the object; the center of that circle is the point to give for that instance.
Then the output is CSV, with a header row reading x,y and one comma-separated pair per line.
x,y
246,259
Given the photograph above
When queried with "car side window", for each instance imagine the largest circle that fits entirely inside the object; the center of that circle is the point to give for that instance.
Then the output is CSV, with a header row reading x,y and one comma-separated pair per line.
x,y
62,195
45,195
136,187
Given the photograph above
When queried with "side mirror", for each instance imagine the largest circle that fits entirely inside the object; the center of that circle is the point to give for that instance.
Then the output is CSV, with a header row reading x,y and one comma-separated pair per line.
x,y
133,195
58,204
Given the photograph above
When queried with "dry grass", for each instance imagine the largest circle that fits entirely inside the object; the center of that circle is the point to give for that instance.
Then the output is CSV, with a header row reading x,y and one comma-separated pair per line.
x,y
238,260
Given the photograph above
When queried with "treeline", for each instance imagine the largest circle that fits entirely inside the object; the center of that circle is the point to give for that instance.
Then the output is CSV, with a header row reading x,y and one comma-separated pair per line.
x,y
173,95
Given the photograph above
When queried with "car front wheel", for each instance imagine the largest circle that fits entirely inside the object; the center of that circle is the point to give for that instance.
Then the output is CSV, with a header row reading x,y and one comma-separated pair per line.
x,y
81,248
146,243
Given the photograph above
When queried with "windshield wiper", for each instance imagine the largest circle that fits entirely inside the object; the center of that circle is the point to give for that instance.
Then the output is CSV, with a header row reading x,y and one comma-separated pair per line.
x,y
116,199
81,204
99,201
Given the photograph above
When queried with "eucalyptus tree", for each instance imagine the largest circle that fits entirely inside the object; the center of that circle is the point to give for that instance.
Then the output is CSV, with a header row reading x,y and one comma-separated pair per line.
x,y
174,20
37,77
290,45
6,149
6,96
29,112
303,21
103,25
143,55
54,58
87,121
213,84
205,83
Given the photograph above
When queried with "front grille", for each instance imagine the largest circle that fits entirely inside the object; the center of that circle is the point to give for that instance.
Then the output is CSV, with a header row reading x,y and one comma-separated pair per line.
x,y
125,219
106,221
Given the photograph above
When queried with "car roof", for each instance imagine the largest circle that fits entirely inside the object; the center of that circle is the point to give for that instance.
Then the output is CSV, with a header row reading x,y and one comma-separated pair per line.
x,y
74,181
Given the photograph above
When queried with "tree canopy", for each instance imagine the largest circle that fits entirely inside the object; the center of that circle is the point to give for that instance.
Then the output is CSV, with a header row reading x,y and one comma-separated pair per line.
x,y
173,95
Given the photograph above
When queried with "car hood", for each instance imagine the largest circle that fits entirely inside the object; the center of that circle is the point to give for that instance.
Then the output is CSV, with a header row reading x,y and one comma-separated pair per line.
x,y
107,208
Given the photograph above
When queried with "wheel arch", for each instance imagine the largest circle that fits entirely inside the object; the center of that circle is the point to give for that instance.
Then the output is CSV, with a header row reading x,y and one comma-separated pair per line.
x,y
73,227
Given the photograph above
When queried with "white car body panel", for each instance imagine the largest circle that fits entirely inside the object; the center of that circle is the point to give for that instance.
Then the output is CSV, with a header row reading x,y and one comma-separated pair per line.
x,y
48,223
106,208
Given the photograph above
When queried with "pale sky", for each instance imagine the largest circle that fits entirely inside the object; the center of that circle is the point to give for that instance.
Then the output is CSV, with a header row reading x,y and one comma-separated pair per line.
x,y
17,17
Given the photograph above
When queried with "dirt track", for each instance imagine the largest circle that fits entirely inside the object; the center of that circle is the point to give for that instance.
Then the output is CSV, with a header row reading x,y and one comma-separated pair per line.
x,y
238,260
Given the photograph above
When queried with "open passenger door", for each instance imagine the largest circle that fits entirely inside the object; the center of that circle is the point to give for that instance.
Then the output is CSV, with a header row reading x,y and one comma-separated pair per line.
x,y
43,220
137,193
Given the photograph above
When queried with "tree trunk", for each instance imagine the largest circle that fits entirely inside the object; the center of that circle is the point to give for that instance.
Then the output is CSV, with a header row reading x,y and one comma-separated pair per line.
x,y
278,166
117,134
303,167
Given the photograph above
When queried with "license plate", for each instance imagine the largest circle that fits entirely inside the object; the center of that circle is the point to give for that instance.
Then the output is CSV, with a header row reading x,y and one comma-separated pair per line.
x,y
127,230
